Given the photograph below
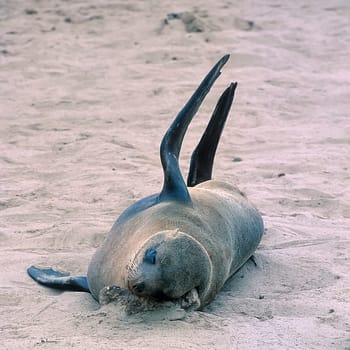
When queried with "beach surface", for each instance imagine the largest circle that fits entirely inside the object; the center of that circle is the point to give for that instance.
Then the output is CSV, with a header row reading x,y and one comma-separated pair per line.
x,y
87,90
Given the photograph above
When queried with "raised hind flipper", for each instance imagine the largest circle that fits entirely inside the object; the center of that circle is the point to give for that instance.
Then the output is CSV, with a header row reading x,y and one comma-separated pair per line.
x,y
58,280
174,187
203,156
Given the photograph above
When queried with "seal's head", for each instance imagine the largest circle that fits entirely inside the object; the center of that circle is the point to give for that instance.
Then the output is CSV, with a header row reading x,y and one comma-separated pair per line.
x,y
169,265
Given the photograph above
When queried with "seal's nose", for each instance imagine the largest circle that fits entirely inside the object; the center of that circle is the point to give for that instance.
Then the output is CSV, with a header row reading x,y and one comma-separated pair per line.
x,y
138,288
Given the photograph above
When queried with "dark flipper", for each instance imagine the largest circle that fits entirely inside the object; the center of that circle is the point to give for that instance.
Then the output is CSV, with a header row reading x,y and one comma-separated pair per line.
x,y
58,280
203,156
174,187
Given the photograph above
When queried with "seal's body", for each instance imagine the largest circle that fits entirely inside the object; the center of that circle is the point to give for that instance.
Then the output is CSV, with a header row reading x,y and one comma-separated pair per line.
x,y
186,241
203,244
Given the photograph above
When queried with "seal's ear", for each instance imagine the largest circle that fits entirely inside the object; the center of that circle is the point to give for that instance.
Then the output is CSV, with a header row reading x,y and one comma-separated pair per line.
x,y
150,256
174,187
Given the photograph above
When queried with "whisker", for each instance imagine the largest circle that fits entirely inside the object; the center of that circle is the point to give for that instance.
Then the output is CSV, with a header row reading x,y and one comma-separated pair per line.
x,y
132,270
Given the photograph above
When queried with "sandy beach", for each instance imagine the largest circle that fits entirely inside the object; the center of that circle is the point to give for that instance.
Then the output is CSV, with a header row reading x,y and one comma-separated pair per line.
x,y
87,90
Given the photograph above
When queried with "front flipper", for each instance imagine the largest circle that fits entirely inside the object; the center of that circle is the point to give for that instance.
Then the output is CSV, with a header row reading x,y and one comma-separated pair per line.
x,y
203,156
58,280
174,187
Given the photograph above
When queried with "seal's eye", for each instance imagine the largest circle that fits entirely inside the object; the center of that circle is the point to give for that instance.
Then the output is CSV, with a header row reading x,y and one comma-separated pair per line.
x,y
150,255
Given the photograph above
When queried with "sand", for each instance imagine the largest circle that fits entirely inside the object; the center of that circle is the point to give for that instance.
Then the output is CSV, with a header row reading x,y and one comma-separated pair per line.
x,y
87,89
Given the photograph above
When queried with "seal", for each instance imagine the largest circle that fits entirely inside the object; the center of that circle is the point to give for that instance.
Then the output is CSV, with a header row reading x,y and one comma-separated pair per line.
x,y
185,242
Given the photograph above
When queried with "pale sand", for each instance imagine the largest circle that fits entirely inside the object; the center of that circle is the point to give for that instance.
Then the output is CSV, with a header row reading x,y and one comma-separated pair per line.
x,y
87,90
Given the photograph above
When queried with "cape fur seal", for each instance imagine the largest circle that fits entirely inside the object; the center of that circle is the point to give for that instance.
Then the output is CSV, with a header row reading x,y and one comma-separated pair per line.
x,y
185,241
